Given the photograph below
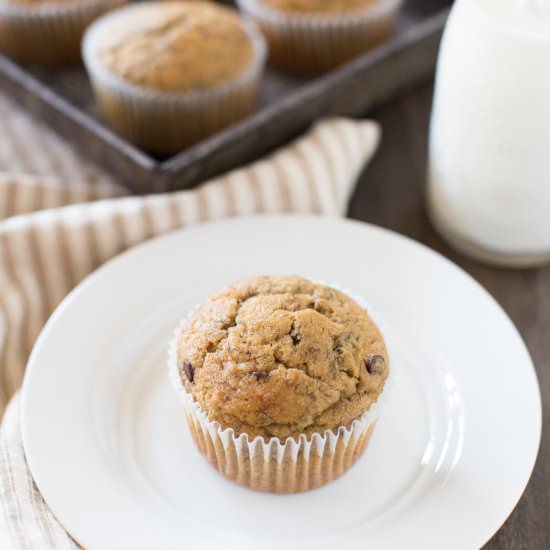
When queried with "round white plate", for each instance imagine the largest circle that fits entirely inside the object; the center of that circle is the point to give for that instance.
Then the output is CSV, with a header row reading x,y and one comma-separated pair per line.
x,y
110,451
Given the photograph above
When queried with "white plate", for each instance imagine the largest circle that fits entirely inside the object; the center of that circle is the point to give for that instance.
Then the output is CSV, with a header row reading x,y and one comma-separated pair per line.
x,y
111,453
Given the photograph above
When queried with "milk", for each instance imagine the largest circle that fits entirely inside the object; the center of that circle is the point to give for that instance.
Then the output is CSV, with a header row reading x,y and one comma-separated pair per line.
x,y
489,160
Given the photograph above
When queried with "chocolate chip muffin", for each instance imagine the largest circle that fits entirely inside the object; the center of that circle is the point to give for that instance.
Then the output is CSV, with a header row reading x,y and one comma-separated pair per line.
x,y
282,356
288,364
48,31
311,36
168,74
179,46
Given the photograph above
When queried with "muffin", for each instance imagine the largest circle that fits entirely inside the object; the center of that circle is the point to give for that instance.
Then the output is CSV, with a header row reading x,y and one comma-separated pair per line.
x,y
311,36
48,31
168,74
281,380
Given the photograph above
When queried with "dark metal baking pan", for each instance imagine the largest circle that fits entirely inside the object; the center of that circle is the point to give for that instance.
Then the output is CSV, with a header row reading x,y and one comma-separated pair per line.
x,y
63,99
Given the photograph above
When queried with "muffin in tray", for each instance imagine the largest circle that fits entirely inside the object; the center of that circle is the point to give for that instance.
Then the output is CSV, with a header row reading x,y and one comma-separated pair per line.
x,y
167,74
281,380
48,31
312,36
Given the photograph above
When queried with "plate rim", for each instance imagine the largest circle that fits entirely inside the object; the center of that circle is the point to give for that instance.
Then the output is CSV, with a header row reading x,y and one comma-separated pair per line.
x,y
275,219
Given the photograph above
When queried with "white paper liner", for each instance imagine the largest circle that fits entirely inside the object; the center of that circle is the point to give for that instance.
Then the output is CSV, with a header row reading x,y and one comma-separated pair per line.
x,y
48,32
237,456
318,41
168,121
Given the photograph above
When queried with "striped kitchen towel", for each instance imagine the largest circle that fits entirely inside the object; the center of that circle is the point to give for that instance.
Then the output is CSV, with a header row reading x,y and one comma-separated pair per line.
x,y
52,235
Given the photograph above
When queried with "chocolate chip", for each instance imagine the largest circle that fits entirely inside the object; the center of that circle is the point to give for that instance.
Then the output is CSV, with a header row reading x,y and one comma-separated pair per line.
x,y
211,347
339,342
259,374
189,370
375,364
295,336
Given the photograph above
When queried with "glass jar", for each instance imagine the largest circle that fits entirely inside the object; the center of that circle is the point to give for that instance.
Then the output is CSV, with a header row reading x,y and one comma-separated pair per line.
x,y
489,153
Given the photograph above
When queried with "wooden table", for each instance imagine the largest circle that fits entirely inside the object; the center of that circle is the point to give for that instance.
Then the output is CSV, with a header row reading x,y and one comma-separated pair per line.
x,y
391,194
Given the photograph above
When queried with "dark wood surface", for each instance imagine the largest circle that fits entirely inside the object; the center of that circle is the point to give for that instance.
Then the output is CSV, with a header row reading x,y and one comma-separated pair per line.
x,y
391,194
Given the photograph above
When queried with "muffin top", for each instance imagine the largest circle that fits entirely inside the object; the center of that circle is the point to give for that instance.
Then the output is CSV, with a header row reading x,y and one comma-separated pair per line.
x,y
281,356
319,6
176,46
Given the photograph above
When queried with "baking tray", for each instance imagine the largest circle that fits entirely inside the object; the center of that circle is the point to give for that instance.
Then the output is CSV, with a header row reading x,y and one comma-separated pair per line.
x,y
63,99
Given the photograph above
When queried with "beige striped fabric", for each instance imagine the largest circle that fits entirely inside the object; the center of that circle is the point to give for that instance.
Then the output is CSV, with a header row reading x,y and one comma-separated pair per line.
x,y
29,148
53,234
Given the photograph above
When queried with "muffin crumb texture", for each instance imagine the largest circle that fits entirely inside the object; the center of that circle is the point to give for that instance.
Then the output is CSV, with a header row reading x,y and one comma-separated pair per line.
x,y
178,46
282,356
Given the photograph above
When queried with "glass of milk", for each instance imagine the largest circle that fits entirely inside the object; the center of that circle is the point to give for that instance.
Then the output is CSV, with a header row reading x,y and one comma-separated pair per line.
x,y
489,153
